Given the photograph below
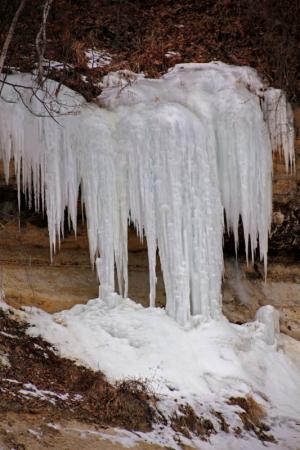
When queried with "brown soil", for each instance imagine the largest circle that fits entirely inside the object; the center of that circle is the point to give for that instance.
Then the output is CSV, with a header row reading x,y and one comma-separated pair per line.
x,y
29,431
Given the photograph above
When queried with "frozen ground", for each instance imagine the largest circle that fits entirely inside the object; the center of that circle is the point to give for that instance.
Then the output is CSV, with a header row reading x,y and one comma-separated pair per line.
x,y
203,364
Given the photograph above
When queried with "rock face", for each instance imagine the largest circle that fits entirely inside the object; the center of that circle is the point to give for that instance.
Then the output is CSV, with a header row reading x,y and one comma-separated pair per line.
x,y
26,275
28,278
245,291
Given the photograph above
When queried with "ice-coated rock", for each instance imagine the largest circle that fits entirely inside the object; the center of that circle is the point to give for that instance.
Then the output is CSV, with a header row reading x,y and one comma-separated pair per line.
x,y
269,316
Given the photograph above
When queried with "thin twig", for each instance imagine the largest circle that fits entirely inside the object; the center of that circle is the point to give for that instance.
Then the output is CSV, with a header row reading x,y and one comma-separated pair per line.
x,y
31,111
10,34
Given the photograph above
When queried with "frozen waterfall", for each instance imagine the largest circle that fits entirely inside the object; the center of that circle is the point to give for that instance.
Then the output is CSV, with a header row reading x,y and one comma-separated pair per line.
x,y
170,155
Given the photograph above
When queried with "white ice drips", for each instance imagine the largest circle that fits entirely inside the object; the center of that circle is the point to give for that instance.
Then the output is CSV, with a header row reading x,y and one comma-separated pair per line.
x,y
169,155
279,116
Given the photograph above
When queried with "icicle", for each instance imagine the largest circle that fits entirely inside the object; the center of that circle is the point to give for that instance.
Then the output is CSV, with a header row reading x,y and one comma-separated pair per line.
x,y
169,155
279,116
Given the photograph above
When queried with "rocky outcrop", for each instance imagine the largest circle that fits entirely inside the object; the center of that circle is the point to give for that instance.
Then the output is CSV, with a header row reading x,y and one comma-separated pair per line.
x,y
245,291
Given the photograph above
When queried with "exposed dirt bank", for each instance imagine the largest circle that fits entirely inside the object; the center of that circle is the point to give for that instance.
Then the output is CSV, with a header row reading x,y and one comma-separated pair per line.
x,y
31,431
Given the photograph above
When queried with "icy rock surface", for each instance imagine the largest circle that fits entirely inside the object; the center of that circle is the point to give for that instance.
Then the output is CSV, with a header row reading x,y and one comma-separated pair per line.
x,y
170,155
269,316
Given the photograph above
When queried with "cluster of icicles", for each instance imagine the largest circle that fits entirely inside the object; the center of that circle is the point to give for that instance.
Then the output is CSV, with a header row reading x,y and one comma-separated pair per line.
x,y
168,155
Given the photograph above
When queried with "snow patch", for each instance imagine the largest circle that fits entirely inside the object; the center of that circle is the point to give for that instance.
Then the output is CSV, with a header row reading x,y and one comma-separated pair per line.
x,y
32,391
12,336
4,360
97,58
172,54
37,434
50,64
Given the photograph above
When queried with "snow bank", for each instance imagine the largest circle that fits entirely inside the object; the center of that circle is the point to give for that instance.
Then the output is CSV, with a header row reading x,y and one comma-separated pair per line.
x,y
127,340
170,155
203,364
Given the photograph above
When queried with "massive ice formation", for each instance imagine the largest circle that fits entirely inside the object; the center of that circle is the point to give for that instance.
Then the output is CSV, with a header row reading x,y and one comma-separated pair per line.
x,y
170,155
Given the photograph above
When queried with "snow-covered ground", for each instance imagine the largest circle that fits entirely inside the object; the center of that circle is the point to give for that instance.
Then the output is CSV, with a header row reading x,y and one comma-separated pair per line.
x,y
203,364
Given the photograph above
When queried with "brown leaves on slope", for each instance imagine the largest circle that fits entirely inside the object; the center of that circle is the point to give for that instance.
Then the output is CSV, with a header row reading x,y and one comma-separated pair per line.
x,y
153,35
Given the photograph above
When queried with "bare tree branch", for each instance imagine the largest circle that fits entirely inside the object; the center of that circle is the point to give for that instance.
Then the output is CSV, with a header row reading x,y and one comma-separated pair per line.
x,y
10,34
51,106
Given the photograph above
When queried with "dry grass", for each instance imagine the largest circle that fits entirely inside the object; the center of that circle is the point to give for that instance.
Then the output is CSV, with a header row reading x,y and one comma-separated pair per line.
x,y
186,422
255,411
252,417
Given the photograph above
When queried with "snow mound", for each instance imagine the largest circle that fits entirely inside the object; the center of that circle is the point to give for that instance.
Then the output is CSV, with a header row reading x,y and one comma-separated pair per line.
x,y
202,364
169,155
